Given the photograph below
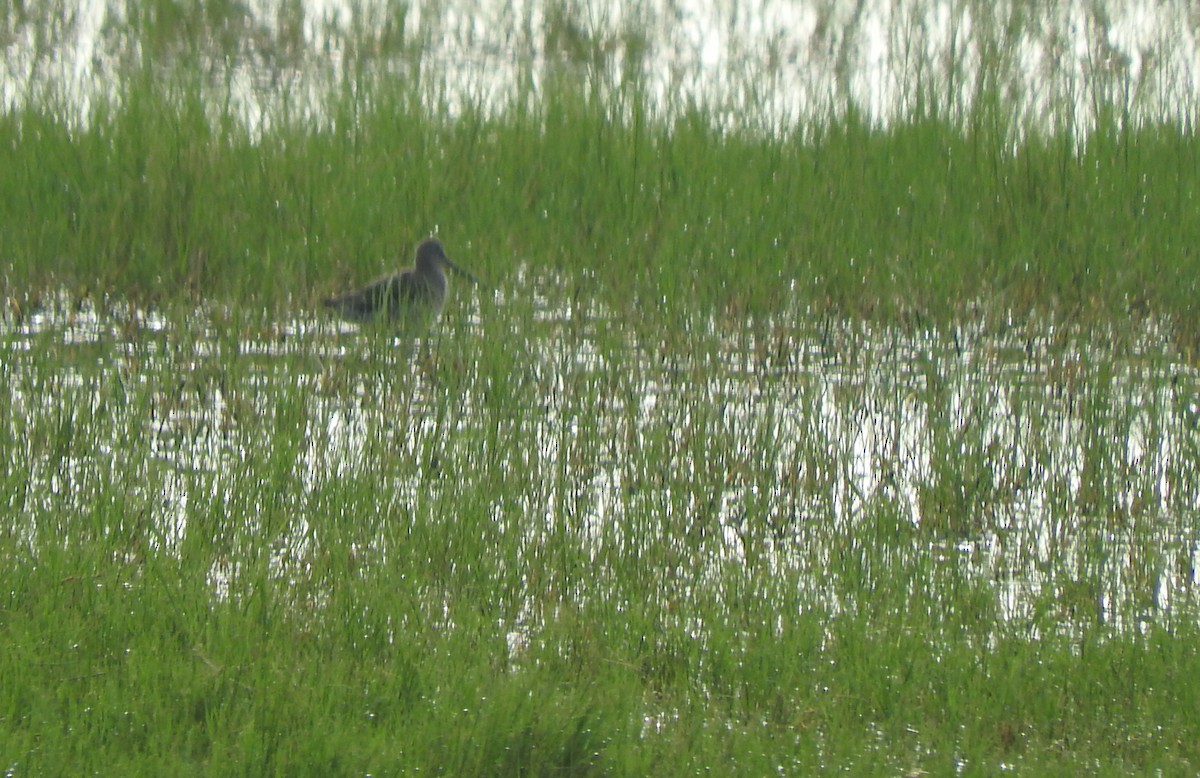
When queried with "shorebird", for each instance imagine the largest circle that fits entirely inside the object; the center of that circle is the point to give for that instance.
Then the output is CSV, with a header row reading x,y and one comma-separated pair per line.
x,y
412,298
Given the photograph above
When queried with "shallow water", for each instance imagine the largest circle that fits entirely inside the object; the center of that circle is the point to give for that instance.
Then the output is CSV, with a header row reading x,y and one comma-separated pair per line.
x,y
768,63
1061,470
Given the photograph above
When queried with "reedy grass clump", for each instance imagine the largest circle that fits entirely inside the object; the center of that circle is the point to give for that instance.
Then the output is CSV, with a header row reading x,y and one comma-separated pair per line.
x,y
156,198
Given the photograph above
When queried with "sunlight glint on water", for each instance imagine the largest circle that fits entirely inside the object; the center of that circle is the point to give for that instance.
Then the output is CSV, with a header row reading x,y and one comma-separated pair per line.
x,y
1004,466
764,65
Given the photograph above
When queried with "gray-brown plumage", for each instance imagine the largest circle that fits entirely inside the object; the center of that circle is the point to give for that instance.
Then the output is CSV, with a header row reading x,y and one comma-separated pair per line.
x,y
413,297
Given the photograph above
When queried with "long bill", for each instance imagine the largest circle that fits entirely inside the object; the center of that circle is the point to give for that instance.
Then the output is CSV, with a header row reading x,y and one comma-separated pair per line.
x,y
461,272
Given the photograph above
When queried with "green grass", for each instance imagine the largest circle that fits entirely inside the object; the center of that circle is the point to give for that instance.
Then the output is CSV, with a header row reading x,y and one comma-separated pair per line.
x,y
369,564
918,221
767,448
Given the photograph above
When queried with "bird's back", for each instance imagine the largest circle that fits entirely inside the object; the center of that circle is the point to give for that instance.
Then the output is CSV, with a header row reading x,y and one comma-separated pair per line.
x,y
403,296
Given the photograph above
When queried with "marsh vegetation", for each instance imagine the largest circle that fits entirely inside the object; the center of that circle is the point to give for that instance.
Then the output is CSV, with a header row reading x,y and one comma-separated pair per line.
x,y
801,423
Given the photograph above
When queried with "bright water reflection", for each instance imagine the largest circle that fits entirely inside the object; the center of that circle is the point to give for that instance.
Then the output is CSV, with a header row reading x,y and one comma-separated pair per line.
x,y
1059,472
765,63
